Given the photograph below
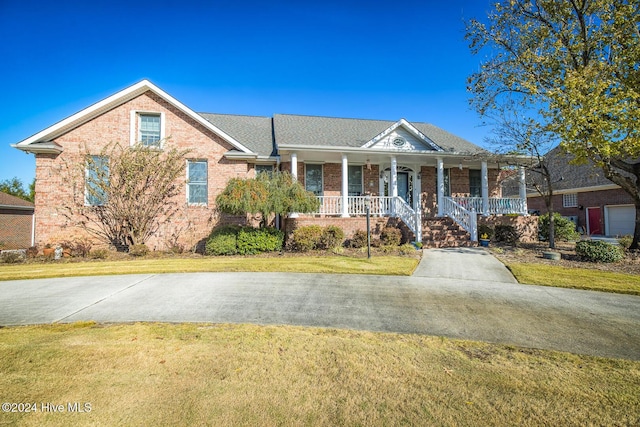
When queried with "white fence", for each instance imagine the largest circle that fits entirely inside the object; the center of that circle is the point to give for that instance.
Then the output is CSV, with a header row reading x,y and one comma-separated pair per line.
x,y
497,205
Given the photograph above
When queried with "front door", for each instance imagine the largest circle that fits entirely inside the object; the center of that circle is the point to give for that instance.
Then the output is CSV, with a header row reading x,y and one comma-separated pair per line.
x,y
594,221
403,187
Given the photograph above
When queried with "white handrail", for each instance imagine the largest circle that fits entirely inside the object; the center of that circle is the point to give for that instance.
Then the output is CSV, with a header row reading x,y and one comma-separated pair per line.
x,y
467,219
497,205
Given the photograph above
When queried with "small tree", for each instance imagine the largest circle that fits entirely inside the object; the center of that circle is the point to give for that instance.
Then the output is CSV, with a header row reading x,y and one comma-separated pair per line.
x,y
268,193
14,187
127,192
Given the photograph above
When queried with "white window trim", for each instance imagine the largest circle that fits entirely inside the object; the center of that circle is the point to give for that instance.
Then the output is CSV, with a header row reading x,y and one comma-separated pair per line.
x,y
321,175
134,126
187,180
569,198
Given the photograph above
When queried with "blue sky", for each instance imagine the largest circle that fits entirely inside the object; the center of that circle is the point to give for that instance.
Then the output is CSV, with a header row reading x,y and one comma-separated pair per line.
x,y
361,59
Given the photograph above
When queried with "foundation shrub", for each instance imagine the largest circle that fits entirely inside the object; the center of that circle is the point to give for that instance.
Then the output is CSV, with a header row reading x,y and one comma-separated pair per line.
x,y
223,241
599,251
32,252
138,250
99,253
506,233
331,237
13,257
625,241
564,229
306,238
359,239
391,236
252,241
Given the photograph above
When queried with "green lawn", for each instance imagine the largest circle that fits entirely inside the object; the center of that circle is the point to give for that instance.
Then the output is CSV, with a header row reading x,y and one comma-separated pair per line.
x,y
247,375
385,265
577,278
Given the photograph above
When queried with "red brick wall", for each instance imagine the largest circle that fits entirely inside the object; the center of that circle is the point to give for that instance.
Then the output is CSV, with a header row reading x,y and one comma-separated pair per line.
x,y
526,226
15,229
587,199
54,191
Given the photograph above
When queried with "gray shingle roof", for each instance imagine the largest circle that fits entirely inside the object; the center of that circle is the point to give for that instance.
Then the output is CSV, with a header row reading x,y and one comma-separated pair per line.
x,y
254,132
9,200
257,132
330,131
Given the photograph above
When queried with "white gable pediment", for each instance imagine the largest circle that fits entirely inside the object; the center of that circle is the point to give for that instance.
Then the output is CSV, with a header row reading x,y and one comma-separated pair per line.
x,y
402,136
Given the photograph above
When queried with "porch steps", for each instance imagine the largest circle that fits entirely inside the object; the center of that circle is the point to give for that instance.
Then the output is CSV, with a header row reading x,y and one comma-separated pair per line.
x,y
444,233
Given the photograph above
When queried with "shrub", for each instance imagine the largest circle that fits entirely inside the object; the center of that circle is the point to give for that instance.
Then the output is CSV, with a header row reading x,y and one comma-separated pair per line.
x,y
32,252
13,256
599,251
99,254
564,228
306,238
138,250
257,240
391,236
359,239
507,234
331,237
223,241
407,249
625,241
485,229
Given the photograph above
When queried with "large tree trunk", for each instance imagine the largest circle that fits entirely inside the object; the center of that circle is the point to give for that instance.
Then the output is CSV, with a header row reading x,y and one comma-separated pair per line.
x,y
636,232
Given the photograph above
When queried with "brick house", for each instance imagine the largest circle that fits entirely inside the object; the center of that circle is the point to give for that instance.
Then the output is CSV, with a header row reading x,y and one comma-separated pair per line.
x,y
583,194
415,174
16,222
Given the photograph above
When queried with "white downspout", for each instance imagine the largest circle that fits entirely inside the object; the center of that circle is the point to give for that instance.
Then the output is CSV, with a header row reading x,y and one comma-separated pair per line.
x,y
345,187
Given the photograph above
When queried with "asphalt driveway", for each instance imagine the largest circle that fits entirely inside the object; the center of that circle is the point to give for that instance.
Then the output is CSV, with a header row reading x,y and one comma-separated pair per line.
x,y
462,293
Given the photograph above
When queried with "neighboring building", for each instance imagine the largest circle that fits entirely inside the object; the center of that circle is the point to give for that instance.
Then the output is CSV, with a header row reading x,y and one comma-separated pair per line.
x,y
582,193
16,222
413,171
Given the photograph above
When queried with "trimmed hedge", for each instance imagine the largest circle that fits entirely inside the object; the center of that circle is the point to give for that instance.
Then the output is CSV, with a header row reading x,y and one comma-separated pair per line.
x,y
599,251
506,233
252,241
331,237
359,239
223,241
233,240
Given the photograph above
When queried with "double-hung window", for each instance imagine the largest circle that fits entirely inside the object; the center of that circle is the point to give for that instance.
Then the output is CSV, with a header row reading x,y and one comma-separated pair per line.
x,y
264,169
355,180
475,183
149,129
96,180
313,178
197,189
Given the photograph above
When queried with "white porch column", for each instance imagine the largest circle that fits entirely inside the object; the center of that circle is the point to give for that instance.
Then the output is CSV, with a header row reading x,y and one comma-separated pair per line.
x,y
440,184
294,165
522,186
393,182
294,174
485,188
345,187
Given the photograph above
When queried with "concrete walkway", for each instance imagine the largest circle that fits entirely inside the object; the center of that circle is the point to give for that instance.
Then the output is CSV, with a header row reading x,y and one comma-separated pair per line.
x,y
460,293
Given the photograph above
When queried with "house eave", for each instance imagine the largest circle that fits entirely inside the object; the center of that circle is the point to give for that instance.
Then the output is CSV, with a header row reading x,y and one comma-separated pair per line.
x,y
40,148
579,190
237,155
361,150
17,208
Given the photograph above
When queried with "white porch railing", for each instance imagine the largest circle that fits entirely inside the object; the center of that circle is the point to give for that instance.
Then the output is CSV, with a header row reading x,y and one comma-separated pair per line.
x,y
467,219
497,206
380,206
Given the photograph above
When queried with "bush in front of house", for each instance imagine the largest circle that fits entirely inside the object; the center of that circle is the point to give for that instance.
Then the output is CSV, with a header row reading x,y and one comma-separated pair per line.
x,y
138,250
13,256
625,241
390,236
253,241
564,228
359,239
506,233
223,241
306,238
599,251
331,237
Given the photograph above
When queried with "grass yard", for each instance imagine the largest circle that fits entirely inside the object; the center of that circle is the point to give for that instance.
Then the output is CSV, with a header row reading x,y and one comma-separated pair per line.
x,y
385,265
234,375
577,278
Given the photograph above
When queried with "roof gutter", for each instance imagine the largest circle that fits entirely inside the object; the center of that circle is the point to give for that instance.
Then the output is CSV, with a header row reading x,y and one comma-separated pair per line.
x,y
17,208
